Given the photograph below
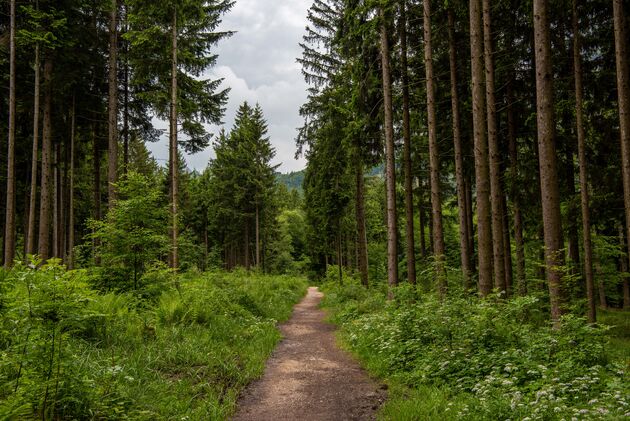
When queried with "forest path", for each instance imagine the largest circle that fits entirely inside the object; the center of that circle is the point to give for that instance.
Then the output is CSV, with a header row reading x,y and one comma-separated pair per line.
x,y
308,377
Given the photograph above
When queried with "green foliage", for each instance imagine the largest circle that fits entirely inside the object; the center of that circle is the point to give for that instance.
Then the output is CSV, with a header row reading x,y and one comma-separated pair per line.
x,y
71,353
133,234
481,359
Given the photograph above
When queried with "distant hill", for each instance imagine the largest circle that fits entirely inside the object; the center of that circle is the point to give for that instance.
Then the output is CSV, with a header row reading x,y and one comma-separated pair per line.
x,y
292,180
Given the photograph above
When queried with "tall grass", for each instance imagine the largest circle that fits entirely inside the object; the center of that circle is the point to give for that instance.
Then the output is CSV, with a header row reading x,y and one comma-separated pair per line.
x,y
68,352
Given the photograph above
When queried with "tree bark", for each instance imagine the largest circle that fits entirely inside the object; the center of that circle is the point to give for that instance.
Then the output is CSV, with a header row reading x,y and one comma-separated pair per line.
x,y
495,153
390,174
552,223
584,193
362,254
507,247
470,225
45,205
126,99
96,192
623,92
173,146
9,233
624,269
112,168
459,155
409,234
257,237
521,282
421,222
481,151
56,196
30,236
70,260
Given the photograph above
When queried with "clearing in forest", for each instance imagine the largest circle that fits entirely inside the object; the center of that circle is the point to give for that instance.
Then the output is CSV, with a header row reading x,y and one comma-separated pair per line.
x,y
308,377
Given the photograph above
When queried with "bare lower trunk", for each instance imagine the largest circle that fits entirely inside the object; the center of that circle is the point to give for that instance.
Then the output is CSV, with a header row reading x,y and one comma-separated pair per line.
x,y
112,167
624,269
173,147
409,234
623,92
96,192
521,282
30,236
56,200
459,155
584,193
392,252
552,224
46,191
507,247
362,255
421,222
9,233
70,259
257,237
495,154
481,150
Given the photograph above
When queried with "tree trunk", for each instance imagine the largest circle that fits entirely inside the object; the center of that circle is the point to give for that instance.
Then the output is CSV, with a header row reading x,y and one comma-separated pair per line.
x,y
390,174
362,254
96,193
30,236
112,167
507,247
495,154
421,222
70,259
257,237
9,233
552,223
173,146
603,303
339,256
246,244
56,200
623,92
521,282
45,205
459,155
411,250
470,225
484,242
434,155
584,193
126,98
624,269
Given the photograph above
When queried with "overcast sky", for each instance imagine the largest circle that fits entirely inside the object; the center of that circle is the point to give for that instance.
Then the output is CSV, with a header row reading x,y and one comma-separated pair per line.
x,y
258,64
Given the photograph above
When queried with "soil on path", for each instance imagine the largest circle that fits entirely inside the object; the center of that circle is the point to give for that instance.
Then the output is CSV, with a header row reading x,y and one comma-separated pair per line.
x,y
308,377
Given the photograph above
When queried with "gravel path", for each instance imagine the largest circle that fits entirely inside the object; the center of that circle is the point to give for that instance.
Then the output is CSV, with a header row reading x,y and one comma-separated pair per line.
x,y
308,377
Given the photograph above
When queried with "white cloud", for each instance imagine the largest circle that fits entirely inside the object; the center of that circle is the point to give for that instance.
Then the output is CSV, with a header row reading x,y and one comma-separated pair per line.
x,y
258,64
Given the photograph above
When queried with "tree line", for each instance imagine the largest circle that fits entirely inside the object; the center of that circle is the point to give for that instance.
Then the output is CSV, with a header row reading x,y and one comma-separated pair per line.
x,y
513,113
88,80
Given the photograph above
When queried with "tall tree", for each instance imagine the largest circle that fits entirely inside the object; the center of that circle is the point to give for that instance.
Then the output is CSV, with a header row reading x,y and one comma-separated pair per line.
x,y
623,94
552,223
496,192
409,234
434,154
46,173
30,235
9,233
390,170
466,255
581,141
112,118
481,150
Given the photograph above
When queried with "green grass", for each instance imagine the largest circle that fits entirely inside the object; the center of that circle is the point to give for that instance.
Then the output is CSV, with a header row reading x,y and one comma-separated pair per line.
x,y
185,356
619,334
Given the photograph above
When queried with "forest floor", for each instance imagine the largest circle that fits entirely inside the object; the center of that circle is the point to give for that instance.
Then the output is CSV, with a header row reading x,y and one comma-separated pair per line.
x,y
309,377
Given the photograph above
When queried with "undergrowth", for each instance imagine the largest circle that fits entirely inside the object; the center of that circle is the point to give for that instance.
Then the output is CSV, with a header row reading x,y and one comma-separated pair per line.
x,y
472,359
70,352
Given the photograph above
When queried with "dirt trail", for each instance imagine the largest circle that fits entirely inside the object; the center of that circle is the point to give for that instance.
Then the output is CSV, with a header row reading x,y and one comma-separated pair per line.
x,y
308,377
